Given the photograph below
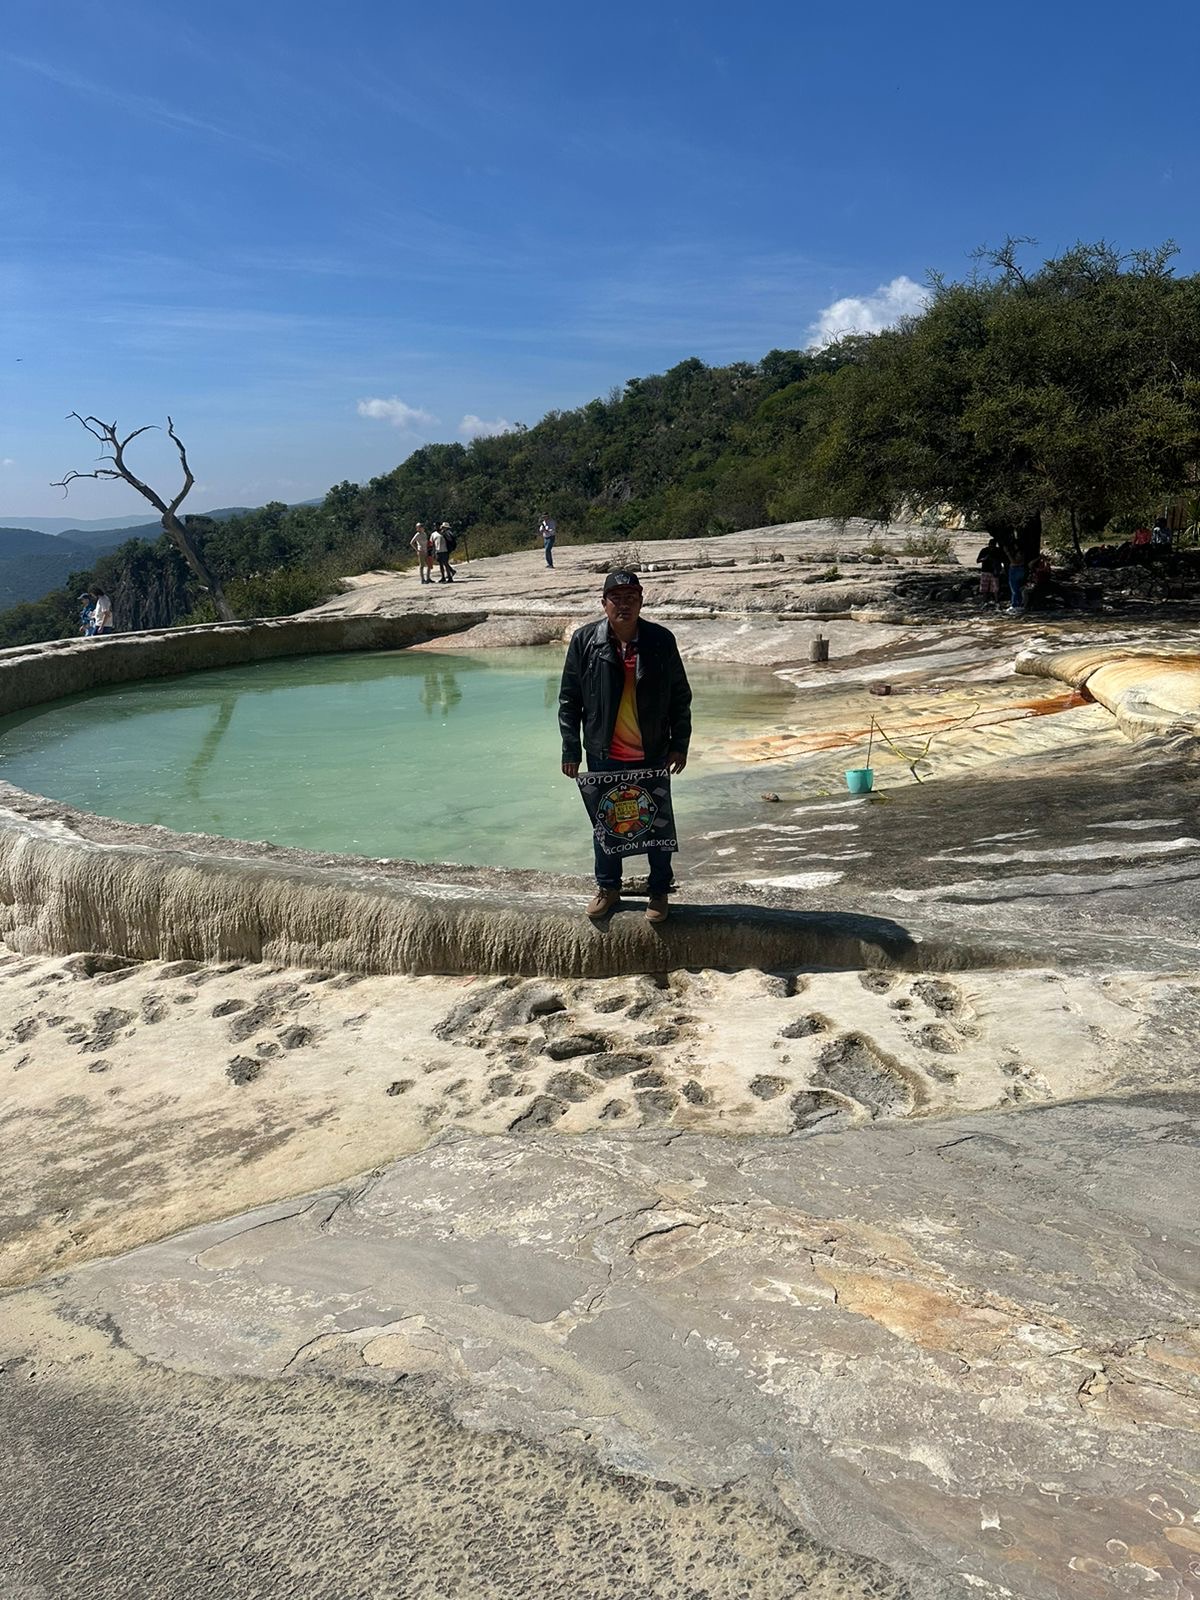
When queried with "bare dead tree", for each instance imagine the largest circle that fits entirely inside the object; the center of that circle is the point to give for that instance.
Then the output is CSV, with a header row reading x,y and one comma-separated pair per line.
x,y
112,453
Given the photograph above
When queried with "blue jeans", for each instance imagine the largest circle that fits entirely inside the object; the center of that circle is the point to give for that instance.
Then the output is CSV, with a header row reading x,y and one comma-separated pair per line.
x,y
608,868
548,550
1016,582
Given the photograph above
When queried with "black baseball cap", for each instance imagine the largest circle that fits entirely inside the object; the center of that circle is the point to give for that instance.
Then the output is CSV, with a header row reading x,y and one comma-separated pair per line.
x,y
622,580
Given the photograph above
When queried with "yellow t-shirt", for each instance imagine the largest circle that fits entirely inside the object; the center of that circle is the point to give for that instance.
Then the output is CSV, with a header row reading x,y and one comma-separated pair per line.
x,y
626,742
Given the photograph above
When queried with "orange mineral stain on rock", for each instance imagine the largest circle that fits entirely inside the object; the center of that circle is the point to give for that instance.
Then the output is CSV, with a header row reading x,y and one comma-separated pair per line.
x,y
909,731
1048,705
918,1313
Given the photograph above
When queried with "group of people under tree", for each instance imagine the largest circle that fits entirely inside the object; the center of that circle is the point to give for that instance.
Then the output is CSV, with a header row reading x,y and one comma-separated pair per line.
x,y
1019,565
1145,547
1028,578
439,545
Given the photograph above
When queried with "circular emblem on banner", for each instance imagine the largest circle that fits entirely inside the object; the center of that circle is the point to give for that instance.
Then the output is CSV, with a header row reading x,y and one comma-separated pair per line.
x,y
626,811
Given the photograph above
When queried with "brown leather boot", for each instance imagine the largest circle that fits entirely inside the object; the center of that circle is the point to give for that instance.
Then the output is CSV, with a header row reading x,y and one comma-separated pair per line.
x,y
602,902
658,908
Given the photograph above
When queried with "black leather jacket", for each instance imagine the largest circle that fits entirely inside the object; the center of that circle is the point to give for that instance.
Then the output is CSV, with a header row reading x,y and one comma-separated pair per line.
x,y
593,681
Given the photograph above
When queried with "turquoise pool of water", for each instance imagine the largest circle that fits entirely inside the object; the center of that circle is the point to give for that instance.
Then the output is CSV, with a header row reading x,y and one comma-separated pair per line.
x,y
422,755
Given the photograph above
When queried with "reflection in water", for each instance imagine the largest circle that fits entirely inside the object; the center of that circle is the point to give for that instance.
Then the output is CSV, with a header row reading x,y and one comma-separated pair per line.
x,y
439,690
209,745
361,753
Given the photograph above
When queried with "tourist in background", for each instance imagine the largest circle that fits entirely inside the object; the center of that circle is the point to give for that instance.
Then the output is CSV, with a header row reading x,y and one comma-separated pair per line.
x,y
548,529
1160,534
420,543
441,549
451,546
85,614
990,561
1016,582
102,613
1043,589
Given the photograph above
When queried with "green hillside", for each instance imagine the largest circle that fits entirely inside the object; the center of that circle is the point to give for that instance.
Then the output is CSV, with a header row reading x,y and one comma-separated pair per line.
x,y
1054,401
32,563
697,449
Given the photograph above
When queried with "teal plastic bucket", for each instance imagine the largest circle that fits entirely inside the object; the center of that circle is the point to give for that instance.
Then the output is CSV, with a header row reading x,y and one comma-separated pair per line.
x,y
859,779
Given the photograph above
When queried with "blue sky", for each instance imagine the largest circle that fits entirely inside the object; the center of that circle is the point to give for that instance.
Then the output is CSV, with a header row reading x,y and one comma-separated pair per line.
x,y
320,235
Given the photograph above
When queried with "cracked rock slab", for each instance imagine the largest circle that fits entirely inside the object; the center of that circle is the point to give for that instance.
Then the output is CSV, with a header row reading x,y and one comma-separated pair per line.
x,y
968,1349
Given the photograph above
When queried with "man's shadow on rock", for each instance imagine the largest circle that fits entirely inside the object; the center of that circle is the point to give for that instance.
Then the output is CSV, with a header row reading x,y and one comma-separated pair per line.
x,y
736,934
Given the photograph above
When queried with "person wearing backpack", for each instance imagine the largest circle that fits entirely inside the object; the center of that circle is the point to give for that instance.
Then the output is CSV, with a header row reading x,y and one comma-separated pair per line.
x,y
451,546
443,543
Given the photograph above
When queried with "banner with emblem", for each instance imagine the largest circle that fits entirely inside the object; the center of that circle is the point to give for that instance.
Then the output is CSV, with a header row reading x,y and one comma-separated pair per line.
x,y
630,809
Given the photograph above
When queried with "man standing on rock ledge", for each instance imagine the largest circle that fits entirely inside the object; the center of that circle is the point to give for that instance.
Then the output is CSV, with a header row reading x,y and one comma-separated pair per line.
x,y
624,683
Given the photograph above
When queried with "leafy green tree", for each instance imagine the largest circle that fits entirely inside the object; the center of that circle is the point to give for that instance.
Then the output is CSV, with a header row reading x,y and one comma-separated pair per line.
x,y
1071,390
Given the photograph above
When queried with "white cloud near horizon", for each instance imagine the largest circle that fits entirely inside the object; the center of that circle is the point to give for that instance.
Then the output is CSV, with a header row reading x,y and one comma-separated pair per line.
x,y
473,427
396,412
867,313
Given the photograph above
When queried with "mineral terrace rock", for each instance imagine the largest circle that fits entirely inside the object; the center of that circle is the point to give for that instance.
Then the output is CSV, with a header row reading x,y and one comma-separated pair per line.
x,y
886,1213
969,1349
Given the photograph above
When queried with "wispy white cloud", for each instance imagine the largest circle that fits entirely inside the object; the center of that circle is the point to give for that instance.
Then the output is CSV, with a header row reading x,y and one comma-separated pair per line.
x,y
8,462
305,263
231,320
140,105
396,412
473,427
867,313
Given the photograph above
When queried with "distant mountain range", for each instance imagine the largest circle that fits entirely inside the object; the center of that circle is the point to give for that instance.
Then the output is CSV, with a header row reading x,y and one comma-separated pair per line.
x,y
119,528
33,563
42,552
